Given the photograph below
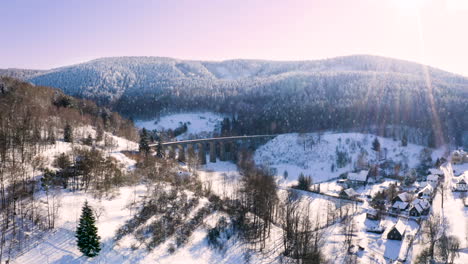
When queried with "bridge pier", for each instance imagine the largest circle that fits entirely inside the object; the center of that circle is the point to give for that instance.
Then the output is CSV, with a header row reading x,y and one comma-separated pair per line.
x,y
190,152
222,151
171,152
201,153
212,151
181,156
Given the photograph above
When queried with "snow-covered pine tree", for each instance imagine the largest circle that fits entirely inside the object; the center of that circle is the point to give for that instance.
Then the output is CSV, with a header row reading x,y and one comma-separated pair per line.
x,y
86,233
144,142
159,149
376,145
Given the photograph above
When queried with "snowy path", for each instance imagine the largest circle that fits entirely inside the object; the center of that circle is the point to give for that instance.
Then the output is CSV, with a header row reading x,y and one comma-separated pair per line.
x,y
454,211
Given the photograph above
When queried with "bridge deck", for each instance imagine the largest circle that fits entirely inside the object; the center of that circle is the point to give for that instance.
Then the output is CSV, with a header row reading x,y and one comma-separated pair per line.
x,y
195,141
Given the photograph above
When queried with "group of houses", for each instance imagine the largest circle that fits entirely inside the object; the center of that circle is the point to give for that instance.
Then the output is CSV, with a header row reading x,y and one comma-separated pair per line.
x,y
459,184
418,203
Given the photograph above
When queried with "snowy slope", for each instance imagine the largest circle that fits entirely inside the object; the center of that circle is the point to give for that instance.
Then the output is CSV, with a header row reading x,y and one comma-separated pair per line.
x,y
200,123
314,154
110,78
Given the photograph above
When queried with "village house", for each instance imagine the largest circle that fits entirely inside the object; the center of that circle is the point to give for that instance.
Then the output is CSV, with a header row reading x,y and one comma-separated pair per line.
x,y
419,207
372,214
398,206
401,202
358,178
349,193
426,192
397,232
459,184
402,197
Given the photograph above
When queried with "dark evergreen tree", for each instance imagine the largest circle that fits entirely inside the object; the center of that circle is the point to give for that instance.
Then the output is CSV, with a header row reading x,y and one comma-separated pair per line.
x,y
144,142
68,133
376,145
404,140
88,141
159,149
86,233
304,182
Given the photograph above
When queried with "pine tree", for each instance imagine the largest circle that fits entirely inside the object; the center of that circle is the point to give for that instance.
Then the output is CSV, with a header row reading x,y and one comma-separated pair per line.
x,y
159,149
68,133
404,140
86,233
304,182
144,142
376,145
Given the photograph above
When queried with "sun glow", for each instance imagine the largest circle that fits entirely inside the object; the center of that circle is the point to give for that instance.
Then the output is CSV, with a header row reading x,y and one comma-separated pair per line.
x,y
409,7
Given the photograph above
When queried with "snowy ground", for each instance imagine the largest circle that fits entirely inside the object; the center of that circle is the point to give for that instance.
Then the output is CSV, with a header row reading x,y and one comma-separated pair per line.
x,y
198,123
314,154
454,211
60,246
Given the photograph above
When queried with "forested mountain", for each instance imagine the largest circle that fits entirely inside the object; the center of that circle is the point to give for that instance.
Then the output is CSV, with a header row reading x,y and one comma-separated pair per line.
x,y
30,114
276,97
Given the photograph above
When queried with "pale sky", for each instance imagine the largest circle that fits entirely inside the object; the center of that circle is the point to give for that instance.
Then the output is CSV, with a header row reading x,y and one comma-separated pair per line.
x,y
43,34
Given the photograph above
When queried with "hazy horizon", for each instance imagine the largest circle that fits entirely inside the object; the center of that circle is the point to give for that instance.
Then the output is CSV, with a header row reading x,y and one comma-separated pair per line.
x,y
51,34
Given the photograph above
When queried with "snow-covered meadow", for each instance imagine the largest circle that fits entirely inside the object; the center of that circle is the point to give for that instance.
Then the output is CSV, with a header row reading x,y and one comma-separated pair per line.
x,y
315,154
198,123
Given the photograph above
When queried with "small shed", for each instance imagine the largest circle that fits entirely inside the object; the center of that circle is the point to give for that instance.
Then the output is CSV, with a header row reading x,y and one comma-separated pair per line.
x,y
372,214
349,193
397,232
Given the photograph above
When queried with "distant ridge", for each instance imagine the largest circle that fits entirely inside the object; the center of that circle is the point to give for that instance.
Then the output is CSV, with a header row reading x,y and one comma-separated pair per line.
x,y
273,96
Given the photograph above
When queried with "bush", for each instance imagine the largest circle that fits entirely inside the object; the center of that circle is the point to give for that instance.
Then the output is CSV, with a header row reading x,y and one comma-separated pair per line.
x,y
304,182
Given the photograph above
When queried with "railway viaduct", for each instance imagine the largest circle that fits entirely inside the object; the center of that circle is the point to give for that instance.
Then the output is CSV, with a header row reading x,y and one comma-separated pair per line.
x,y
222,147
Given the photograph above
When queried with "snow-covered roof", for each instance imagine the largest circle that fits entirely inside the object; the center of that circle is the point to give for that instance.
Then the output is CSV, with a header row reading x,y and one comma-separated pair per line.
x,y
427,189
405,197
359,176
400,227
435,171
420,205
460,179
400,205
432,178
351,192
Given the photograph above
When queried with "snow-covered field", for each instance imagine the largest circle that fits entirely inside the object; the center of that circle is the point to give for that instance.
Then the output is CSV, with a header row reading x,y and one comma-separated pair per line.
x,y
314,154
202,123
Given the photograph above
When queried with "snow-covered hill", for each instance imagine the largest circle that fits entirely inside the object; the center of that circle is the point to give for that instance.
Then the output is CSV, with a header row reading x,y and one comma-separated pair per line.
x,y
316,154
108,79
198,123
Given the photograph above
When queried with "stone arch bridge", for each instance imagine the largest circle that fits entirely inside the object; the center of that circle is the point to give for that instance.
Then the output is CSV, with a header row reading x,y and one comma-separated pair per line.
x,y
224,148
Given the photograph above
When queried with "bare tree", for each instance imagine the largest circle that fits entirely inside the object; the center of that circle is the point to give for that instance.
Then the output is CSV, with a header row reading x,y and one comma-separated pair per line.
x,y
432,229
